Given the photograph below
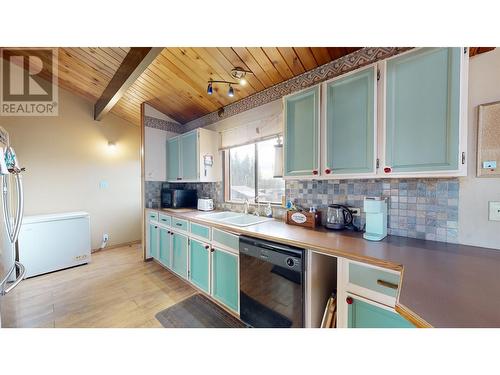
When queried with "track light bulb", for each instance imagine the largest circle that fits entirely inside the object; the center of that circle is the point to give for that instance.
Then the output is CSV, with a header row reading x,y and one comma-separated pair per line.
x,y
230,93
209,88
243,81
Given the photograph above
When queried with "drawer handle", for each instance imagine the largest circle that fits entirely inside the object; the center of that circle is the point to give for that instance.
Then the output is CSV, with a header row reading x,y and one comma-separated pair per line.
x,y
387,284
178,224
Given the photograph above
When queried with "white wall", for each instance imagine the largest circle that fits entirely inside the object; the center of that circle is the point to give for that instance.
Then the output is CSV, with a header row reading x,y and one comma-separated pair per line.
x,y
475,193
67,156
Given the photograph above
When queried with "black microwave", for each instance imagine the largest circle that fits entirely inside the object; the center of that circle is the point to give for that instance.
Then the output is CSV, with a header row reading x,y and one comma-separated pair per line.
x,y
178,198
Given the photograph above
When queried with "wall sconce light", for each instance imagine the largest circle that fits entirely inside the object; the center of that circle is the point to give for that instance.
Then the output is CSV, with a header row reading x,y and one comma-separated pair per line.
x,y
111,146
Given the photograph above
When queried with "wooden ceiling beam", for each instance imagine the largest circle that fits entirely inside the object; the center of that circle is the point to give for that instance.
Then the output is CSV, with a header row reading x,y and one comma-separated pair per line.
x,y
134,64
473,51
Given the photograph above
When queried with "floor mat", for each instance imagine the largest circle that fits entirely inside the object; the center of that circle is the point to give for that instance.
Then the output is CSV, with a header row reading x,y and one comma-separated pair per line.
x,y
197,312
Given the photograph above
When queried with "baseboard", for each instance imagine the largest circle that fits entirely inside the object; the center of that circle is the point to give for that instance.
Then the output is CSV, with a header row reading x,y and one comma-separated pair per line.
x,y
117,245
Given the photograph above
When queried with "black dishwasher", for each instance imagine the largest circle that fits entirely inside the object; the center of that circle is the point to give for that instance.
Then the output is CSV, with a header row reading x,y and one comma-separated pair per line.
x,y
271,284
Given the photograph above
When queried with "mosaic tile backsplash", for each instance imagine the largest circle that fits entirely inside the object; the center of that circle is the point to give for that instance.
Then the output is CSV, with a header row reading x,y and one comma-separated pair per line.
x,y
418,208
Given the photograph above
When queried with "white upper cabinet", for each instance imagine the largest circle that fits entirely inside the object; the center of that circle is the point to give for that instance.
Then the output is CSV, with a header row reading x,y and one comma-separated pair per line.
x,y
154,153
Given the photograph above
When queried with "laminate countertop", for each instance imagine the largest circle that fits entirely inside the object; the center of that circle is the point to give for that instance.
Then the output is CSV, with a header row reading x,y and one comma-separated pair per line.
x,y
442,284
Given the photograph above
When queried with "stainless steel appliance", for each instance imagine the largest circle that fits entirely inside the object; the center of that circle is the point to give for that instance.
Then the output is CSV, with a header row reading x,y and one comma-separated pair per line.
x,y
205,204
178,198
271,284
338,217
11,271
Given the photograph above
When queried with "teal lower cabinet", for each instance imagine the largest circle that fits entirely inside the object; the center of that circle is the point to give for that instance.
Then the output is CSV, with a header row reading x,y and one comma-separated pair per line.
x,y
225,278
153,241
179,254
165,247
364,314
199,256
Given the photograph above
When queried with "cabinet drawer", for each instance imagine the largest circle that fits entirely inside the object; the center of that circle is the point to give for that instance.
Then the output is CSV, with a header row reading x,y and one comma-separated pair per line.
x,y
165,219
179,224
374,279
228,240
200,231
152,215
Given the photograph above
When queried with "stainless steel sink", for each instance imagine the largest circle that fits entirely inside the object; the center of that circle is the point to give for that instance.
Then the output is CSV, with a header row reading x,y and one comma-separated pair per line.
x,y
235,218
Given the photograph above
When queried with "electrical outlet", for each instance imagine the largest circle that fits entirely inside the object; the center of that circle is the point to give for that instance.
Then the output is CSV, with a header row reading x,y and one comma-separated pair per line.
x,y
355,211
105,237
494,211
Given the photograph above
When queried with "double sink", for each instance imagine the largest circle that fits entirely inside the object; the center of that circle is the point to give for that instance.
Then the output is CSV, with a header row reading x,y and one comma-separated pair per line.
x,y
235,218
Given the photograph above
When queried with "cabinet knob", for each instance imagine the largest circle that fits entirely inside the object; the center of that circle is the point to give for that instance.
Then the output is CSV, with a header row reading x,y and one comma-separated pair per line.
x,y
328,171
349,300
387,170
212,250
315,172
171,233
207,247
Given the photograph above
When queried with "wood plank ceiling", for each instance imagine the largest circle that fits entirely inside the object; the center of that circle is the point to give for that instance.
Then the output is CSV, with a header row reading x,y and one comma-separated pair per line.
x,y
176,82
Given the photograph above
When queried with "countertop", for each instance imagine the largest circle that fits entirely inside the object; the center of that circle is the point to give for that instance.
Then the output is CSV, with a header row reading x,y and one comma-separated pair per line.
x,y
443,285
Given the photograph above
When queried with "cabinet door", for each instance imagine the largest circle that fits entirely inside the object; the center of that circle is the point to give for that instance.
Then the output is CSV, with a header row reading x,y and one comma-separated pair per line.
x,y
364,314
301,133
350,124
165,246
422,111
225,280
153,241
173,171
189,156
199,264
179,254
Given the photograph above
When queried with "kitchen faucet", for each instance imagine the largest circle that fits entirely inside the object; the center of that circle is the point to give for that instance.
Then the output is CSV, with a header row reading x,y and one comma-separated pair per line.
x,y
246,206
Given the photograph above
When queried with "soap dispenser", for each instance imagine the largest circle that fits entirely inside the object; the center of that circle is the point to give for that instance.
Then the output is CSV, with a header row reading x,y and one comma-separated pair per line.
x,y
376,218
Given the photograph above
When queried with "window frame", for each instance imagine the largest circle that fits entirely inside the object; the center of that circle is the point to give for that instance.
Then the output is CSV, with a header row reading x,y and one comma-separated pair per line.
x,y
227,175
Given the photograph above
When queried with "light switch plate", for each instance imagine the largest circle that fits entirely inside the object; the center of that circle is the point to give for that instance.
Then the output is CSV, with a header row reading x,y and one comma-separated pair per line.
x,y
494,211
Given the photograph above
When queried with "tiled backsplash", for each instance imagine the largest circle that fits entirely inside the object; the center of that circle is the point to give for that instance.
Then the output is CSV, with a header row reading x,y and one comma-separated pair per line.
x,y
418,208
205,189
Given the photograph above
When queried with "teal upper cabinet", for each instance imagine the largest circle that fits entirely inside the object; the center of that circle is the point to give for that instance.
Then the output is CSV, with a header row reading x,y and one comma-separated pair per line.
x,y
361,314
179,254
225,280
189,155
350,126
165,247
173,164
301,146
199,255
423,111
194,157
153,241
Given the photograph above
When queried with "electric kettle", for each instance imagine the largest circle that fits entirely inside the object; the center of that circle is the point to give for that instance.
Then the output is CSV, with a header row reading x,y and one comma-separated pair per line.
x,y
338,217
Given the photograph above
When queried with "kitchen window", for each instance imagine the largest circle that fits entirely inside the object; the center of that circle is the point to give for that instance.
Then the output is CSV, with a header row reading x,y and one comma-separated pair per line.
x,y
250,174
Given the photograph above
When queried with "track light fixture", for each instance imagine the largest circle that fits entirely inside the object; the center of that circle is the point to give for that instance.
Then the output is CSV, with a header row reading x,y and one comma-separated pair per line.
x,y
240,74
230,91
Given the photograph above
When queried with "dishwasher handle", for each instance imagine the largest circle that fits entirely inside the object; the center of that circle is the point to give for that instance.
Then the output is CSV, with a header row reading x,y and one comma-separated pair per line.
x,y
283,249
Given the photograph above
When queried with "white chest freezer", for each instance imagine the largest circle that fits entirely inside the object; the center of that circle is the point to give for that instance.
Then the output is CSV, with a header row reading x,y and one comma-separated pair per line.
x,y
52,242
